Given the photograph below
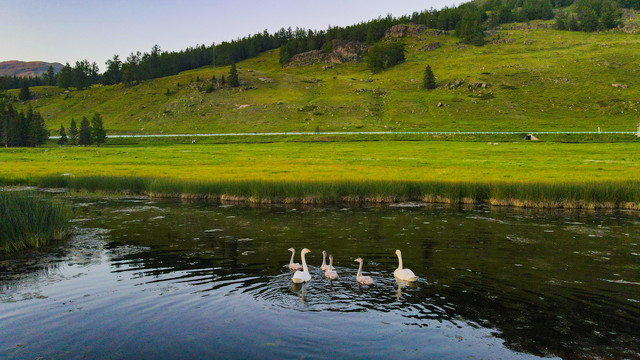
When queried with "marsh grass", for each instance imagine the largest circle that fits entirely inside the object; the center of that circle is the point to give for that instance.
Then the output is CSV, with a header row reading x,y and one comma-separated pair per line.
x,y
590,195
30,221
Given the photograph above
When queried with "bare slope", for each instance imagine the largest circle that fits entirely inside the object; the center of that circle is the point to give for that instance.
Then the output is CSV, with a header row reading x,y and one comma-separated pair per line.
x,y
26,68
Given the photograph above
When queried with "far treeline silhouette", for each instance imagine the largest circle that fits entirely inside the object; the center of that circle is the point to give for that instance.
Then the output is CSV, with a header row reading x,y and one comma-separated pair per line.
x,y
468,21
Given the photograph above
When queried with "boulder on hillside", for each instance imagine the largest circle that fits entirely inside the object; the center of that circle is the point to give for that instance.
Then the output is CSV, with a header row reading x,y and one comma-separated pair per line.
x,y
478,85
455,84
431,46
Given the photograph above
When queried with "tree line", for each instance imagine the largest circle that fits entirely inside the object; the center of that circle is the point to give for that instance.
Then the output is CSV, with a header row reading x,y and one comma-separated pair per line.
x,y
21,129
156,63
89,133
591,15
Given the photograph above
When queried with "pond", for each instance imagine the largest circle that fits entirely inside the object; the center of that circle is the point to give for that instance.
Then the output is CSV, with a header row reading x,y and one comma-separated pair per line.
x,y
164,279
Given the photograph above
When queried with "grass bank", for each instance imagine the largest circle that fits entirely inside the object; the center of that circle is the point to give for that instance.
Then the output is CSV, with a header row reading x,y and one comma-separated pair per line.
x,y
608,195
29,221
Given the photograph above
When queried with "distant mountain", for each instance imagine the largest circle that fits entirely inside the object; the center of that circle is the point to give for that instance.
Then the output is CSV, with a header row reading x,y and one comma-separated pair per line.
x,y
26,69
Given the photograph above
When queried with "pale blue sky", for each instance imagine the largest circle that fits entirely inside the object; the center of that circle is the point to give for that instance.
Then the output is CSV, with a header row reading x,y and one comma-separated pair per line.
x,y
61,31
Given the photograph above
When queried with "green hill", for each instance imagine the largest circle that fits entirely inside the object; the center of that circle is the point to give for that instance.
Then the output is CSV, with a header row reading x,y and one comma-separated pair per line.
x,y
527,78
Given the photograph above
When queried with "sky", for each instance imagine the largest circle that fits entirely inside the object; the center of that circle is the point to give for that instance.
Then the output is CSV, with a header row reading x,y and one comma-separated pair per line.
x,y
67,31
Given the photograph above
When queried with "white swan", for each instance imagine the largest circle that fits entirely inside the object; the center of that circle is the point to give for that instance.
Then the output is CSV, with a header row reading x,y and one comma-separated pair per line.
x,y
331,274
364,280
302,276
292,265
403,274
324,266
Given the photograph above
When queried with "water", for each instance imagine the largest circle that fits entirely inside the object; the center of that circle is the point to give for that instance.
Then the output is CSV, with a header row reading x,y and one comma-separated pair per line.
x,y
145,279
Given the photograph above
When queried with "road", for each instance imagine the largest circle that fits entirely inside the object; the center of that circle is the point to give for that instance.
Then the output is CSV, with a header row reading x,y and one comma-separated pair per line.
x,y
370,133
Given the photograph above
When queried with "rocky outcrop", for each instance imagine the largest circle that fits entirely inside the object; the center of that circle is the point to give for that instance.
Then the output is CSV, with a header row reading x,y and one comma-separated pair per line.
x,y
308,58
346,51
342,52
404,30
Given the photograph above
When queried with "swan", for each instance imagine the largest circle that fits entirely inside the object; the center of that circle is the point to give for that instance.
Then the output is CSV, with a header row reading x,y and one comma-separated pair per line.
x,y
302,276
331,274
403,274
324,266
292,265
364,280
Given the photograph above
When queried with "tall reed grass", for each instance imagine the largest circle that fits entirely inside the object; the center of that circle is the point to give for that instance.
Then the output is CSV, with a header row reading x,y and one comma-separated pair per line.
x,y
611,194
28,220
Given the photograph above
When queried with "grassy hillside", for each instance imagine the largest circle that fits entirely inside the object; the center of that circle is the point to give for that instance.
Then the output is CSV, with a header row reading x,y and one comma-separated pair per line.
x,y
539,79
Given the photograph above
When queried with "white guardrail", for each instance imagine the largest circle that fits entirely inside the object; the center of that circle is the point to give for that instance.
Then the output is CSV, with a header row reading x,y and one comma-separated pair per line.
x,y
370,133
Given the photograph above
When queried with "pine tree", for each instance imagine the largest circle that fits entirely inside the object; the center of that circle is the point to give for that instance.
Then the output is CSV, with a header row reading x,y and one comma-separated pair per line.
x,y
25,94
233,76
223,81
4,123
38,130
73,133
23,128
65,76
51,76
429,80
98,134
84,137
63,136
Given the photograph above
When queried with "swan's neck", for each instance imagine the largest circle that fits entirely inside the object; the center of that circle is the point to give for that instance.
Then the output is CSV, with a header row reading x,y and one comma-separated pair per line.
x,y
330,263
399,261
324,259
304,263
291,261
359,270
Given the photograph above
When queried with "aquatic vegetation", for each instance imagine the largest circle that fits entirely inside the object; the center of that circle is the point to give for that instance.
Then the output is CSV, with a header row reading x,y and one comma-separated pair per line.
x,y
28,220
574,195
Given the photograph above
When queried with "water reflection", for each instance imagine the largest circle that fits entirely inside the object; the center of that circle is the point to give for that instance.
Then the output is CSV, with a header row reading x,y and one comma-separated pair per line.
x,y
545,283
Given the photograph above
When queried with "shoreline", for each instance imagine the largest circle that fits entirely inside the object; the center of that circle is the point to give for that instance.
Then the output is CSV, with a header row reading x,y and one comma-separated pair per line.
x,y
624,195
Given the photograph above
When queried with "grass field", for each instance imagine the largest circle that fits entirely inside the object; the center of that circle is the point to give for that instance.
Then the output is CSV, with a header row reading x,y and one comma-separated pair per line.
x,y
383,170
538,80
331,161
